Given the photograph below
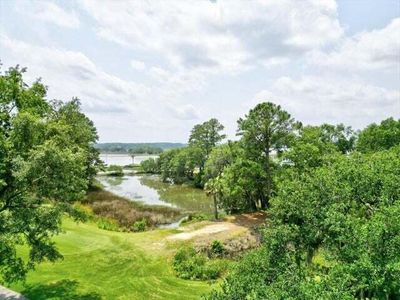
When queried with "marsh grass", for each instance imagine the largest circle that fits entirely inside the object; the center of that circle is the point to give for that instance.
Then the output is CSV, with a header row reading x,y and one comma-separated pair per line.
x,y
126,213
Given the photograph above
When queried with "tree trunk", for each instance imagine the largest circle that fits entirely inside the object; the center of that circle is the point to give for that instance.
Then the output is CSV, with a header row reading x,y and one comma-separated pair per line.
x,y
215,207
265,199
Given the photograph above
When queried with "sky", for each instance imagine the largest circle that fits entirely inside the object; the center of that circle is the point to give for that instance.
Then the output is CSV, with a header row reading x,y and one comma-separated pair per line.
x,y
147,71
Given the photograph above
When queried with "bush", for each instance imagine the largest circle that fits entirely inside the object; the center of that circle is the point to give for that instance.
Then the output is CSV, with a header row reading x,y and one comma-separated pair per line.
x,y
196,217
217,249
150,166
190,265
139,226
106,224
115,170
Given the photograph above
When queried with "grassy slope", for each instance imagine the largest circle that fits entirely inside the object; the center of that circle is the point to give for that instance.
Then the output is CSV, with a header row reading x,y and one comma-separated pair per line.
x,y
102,264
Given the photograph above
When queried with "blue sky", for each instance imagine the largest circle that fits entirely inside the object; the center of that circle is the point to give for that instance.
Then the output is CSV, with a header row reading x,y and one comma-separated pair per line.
x,y
149,70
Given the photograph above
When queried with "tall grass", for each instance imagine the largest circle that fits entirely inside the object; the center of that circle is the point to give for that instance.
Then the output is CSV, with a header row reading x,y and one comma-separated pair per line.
x,y
125,212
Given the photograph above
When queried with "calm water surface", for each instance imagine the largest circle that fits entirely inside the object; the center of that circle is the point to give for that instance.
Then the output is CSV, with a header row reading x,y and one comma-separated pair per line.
x,y
150,190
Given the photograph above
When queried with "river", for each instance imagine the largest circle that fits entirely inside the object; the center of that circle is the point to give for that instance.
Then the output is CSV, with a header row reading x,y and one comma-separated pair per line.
x,y
150,190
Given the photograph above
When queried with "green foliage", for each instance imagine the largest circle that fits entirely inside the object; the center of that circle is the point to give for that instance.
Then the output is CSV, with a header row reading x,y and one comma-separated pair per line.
x,y
190,265
137,148
219,158
140,226
206,136
343,137
266,128
115,170
47,161
217,249
179,165
195,217
349,208
187,164
241,186
145,150
310,149
379,137
107,224
150,166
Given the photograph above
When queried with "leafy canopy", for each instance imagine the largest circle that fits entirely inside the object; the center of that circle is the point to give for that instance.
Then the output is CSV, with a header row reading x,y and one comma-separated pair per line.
x,y
47,160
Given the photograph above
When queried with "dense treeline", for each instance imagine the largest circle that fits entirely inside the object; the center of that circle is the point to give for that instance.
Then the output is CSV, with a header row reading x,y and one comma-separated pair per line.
x,y
47,161
332,196
137,148
333,233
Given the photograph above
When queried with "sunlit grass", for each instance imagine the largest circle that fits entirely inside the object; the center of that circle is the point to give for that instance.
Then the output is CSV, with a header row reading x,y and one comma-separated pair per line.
x,y
101,264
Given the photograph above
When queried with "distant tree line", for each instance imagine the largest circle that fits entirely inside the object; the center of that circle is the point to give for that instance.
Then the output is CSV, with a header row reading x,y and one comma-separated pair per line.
x,y
136,148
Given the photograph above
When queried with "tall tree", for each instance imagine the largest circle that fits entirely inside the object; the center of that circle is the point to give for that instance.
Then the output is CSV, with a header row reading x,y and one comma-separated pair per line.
x,y
46,162
310,149
206,136
379,137
267,128
342,136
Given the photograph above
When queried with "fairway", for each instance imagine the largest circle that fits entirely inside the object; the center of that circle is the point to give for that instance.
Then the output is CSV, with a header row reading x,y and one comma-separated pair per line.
x,y
101,264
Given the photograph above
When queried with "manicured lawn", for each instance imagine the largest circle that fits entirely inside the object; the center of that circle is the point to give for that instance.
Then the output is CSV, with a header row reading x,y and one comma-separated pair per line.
x,y
101,264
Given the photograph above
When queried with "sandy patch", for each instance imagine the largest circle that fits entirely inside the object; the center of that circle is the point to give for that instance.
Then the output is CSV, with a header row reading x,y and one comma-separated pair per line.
x,y
205,231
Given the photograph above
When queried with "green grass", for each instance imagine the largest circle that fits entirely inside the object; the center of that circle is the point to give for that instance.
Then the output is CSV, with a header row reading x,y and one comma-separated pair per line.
x,y
101,264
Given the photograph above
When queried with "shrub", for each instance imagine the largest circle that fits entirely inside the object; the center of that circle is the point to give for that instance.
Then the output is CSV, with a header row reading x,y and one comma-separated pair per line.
x,y
139,226
115,170
190,265
217,249
196,217
150,166
106,224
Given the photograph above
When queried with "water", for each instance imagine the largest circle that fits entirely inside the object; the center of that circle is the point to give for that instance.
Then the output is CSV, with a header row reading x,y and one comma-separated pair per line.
x,y
150,190
123,159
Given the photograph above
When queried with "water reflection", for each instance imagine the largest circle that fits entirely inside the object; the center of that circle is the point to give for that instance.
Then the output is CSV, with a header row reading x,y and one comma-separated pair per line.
x,y
151,190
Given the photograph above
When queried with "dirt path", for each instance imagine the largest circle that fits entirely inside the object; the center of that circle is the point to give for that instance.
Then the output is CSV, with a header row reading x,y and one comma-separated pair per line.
x,y
233,226
207,231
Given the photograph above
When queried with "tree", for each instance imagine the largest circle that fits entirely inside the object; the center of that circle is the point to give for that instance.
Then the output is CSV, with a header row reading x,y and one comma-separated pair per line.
x,y
205,137
342,136
46,163
333,233
187,163
241,186
310,149
265,129
211,189
379,137
219,158
150,165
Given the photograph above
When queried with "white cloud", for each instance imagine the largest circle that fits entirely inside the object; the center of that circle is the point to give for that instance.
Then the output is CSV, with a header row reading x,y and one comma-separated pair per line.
x,y
377,49
121,109
50,12
315,100
185,112
201,59
138,65
71,73
223,36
